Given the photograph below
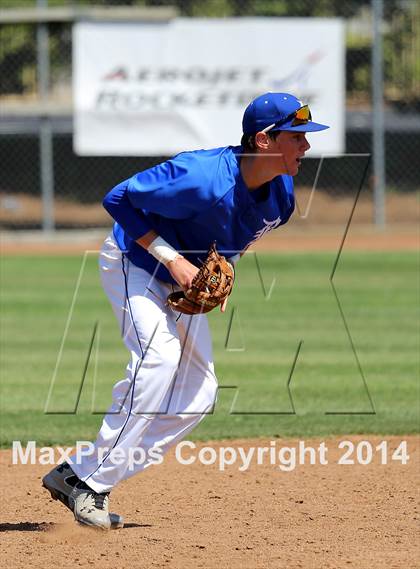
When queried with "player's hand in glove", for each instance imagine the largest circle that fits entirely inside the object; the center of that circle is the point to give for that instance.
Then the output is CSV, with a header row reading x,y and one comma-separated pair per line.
x,y
209,287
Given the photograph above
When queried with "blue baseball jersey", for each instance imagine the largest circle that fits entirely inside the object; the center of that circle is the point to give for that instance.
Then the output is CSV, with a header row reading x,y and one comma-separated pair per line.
x,y
192,200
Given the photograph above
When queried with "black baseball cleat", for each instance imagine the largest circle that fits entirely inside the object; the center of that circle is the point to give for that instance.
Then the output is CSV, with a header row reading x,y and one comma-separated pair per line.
x,y
88,507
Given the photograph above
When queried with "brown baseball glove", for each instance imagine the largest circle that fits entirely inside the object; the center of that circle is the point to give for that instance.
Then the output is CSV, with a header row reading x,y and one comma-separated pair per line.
x,y
209,288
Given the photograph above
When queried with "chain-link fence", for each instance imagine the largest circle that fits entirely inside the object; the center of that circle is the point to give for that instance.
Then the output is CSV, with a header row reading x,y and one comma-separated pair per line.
x,y
79,183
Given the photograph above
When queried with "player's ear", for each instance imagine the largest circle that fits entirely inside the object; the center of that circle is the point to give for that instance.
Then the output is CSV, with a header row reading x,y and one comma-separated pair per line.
x,y
262,140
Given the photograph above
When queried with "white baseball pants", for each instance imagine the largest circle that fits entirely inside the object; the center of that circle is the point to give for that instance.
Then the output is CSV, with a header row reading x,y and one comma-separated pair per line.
x,y
170,383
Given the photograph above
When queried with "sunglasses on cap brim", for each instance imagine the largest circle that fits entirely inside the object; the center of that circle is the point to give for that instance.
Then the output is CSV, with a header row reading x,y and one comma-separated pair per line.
x,y
298,117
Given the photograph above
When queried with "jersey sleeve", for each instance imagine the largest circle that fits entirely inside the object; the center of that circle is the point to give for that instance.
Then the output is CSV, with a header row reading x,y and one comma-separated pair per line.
x,y
178,189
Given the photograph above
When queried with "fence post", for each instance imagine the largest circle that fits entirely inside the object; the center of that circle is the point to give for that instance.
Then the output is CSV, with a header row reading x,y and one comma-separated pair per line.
x,y
378,128
45,131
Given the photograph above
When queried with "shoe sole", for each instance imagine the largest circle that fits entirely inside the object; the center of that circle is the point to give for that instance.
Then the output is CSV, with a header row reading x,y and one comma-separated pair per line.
x,y
115,519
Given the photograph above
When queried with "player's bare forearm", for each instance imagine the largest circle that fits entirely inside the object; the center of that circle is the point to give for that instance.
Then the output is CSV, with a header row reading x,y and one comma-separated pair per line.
x,y
146,239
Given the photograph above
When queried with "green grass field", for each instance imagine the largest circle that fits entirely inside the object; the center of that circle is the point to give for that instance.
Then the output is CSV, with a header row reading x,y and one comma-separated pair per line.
x,y
255,361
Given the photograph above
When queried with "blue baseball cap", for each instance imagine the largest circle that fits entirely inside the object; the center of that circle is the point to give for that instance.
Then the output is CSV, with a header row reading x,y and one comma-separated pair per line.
x,y
278,111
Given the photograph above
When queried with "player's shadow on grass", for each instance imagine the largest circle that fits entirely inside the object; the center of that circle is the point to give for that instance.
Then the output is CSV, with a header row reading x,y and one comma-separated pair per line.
x,y
26,526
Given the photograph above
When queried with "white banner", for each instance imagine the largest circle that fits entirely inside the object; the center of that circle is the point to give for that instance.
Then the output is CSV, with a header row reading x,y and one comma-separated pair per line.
x,y
161,88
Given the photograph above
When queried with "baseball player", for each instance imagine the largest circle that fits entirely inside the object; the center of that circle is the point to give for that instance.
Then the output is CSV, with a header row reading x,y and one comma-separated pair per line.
x,y
166,218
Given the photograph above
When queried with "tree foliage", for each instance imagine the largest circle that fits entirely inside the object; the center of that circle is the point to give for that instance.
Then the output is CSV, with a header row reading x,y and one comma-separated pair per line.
x,y
401,38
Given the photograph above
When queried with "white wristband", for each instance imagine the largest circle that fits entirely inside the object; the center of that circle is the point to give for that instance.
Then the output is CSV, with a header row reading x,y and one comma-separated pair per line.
x,y
162,251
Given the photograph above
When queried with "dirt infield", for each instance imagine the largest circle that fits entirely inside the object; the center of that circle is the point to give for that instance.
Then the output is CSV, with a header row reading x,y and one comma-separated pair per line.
x,y
318,224
287,239
315,516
